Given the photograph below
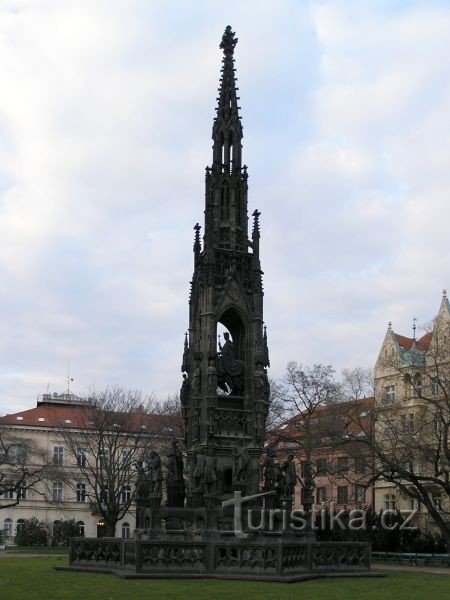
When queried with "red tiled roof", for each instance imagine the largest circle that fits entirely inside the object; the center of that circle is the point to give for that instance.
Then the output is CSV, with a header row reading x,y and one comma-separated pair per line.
x,y
355,422
422,343
79,417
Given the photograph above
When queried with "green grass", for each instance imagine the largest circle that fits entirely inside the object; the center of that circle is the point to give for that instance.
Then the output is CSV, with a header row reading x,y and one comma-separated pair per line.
x,y
37,550
35,579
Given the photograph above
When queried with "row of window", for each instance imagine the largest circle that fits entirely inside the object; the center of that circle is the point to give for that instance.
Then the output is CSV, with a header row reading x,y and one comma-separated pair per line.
x,y
9,532
414,387
342,465
342,494
81,494
81,456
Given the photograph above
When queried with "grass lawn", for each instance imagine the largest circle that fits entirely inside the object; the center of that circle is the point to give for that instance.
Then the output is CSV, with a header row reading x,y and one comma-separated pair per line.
x,y
37,550
35,579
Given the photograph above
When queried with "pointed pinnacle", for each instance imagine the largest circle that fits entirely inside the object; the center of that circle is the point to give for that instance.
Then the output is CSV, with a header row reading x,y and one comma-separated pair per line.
x,y
229,41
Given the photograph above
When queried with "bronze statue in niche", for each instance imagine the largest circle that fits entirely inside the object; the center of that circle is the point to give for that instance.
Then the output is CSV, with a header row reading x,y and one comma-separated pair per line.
x,y
230,369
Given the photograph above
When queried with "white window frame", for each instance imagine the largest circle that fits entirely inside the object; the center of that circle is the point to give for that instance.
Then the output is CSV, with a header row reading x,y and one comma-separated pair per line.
x,y
57,491
58,455
81,492
8,527
389,394
389,502
81,457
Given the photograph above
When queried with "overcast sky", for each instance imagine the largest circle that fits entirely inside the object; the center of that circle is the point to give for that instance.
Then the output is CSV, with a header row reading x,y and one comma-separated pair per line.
x,y
106,108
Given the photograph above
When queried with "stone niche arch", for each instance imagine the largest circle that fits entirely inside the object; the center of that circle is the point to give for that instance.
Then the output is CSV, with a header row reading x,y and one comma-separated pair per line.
x,y
231,369
233,321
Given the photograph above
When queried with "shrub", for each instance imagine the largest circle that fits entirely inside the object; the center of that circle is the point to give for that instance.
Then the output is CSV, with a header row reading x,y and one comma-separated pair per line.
x,y
31,533
63,531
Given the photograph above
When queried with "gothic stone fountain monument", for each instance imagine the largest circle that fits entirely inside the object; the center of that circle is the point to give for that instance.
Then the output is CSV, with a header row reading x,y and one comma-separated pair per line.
x,y
203,527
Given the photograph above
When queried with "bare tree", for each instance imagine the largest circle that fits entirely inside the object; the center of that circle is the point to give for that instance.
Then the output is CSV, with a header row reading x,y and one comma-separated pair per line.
x,y
114,434
305,392
23,467
412,421
357,383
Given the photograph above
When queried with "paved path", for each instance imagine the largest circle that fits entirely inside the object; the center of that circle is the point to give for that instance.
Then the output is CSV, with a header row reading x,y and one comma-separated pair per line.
x,y
437,570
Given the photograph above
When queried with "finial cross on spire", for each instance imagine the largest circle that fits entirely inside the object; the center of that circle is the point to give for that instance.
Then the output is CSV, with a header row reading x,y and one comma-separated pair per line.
x,y
414,328
229,41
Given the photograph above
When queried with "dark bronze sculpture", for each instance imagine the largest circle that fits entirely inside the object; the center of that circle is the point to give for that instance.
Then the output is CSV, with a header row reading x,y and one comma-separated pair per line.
x,y
225,399
230,369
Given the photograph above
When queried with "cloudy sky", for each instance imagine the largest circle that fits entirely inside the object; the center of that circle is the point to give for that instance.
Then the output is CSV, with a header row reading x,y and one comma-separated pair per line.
x,y
106,109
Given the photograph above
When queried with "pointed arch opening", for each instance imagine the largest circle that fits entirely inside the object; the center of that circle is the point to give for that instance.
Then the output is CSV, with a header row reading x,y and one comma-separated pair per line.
x,y
231,352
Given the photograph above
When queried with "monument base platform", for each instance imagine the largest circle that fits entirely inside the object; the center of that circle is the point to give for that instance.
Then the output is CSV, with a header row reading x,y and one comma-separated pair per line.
x,y
262,557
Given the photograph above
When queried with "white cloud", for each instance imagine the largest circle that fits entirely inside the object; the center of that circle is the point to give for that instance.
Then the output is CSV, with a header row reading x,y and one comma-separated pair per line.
x,y
105,122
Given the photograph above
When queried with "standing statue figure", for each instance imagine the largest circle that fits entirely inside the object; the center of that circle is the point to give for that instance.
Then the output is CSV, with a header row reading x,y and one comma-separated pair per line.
x,y
154,472
241,464
196,385
230,369
199,470
212,378
142,482
290,475
184,391
210,473
174,478
269,471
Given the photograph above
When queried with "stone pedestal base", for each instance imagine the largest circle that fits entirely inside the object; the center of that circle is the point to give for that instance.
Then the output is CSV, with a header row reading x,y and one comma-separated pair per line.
x,y
262,557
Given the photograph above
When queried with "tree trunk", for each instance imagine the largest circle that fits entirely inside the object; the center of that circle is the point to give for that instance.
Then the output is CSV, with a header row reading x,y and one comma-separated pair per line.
x,y
110,528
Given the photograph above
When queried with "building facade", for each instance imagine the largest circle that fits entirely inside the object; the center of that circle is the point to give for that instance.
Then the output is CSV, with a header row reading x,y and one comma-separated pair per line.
x,y
412,383
65,493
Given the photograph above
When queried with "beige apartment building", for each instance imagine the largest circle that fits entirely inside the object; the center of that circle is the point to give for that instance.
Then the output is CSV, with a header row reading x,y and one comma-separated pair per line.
x,y
411,387
65,496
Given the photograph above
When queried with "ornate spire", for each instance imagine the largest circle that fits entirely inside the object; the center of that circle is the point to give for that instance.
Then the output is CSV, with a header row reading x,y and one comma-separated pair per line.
x,y
227,128
197,244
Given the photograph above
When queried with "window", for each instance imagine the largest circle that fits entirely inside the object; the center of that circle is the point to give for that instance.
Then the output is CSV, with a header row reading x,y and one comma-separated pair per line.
x,y
437,501
342,494
20,523
321,495
81,528
8,527
360,493
81,492
389,394
10,493
321,466
343,464
302,468
125,530
126,494
417,384
58,455
22,491
434,387
57,491
17,454
389,502
360,464
125,458
81,457
413,504
407,423
103,494
104,457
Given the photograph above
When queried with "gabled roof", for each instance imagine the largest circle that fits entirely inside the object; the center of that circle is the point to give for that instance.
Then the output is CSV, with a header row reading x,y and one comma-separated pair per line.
x,y
407,343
